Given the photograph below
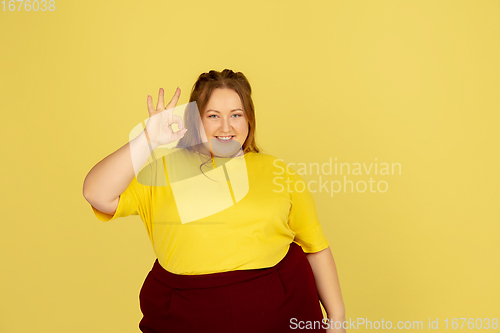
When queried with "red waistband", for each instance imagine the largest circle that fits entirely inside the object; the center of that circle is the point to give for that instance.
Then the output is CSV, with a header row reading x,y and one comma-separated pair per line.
x,y
213,280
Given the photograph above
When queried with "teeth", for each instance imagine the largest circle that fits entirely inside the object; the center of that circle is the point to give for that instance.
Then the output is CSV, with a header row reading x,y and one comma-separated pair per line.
x,y
224,137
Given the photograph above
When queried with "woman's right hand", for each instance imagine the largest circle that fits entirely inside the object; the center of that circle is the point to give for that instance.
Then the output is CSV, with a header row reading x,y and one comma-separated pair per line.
x,y
158,127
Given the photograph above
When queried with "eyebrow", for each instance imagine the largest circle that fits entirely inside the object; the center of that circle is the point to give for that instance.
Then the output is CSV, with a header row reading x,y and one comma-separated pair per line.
x,y
231,110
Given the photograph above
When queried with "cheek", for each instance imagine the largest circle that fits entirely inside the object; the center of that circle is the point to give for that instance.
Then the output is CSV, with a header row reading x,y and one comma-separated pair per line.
x,y
243,128
209,128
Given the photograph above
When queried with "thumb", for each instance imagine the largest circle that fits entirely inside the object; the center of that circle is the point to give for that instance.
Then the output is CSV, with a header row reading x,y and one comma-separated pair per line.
x,y
180,133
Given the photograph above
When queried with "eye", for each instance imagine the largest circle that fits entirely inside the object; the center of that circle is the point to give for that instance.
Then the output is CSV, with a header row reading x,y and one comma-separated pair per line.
x,y
237,114
212,115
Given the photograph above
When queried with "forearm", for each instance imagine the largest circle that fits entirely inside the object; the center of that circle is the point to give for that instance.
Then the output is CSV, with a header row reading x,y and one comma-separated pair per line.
x,y
327,283
111,176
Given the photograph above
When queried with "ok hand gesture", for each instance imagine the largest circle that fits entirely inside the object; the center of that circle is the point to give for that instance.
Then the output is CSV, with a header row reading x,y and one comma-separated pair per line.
x,y
158,128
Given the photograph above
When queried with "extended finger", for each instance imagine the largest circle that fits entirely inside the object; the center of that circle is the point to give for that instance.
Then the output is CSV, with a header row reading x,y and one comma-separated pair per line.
x,y
160,104
150,104
175,98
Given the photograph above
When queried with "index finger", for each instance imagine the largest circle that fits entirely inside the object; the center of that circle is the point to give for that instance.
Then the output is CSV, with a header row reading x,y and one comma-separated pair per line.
x,y
177,120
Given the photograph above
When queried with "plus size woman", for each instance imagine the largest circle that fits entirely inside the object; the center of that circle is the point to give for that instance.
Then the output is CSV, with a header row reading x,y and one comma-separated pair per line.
x,y
239,247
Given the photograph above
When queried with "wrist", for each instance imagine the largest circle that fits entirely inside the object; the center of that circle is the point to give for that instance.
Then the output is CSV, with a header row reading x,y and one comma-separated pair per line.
x,y
152,145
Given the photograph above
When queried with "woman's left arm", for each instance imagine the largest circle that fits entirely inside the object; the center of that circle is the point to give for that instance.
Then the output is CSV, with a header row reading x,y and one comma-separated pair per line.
x,y
327,283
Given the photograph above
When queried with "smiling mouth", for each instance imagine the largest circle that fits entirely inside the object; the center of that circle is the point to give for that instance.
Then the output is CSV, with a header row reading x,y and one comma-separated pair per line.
x,y
225,138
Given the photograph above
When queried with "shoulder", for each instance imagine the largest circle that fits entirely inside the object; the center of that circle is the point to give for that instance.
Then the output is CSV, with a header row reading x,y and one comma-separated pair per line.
x,y
263,157
268,162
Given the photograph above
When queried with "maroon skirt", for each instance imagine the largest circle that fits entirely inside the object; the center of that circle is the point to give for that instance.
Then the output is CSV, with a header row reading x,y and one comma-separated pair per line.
x,y
277,299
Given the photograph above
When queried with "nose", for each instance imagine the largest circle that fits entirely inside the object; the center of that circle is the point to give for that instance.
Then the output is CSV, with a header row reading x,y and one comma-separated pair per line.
x,y
225,125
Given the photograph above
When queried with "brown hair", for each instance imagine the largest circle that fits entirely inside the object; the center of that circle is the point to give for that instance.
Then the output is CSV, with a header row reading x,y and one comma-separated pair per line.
x,y
201,92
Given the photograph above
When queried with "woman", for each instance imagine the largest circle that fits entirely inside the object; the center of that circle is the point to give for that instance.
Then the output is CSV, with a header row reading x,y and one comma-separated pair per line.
x,y
238,248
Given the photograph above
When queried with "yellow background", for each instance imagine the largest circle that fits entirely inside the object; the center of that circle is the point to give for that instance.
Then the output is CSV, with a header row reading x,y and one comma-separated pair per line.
x,y
409,82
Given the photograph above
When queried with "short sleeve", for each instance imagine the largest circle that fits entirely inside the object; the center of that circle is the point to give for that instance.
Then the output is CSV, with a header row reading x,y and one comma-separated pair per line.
x,y
303,217
133,201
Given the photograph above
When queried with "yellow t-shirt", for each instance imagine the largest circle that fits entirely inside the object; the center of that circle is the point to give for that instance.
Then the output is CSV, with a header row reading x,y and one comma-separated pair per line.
x,y
245,219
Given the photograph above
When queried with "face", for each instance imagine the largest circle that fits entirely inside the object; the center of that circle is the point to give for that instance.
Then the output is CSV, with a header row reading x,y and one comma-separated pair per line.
x,y
225,122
